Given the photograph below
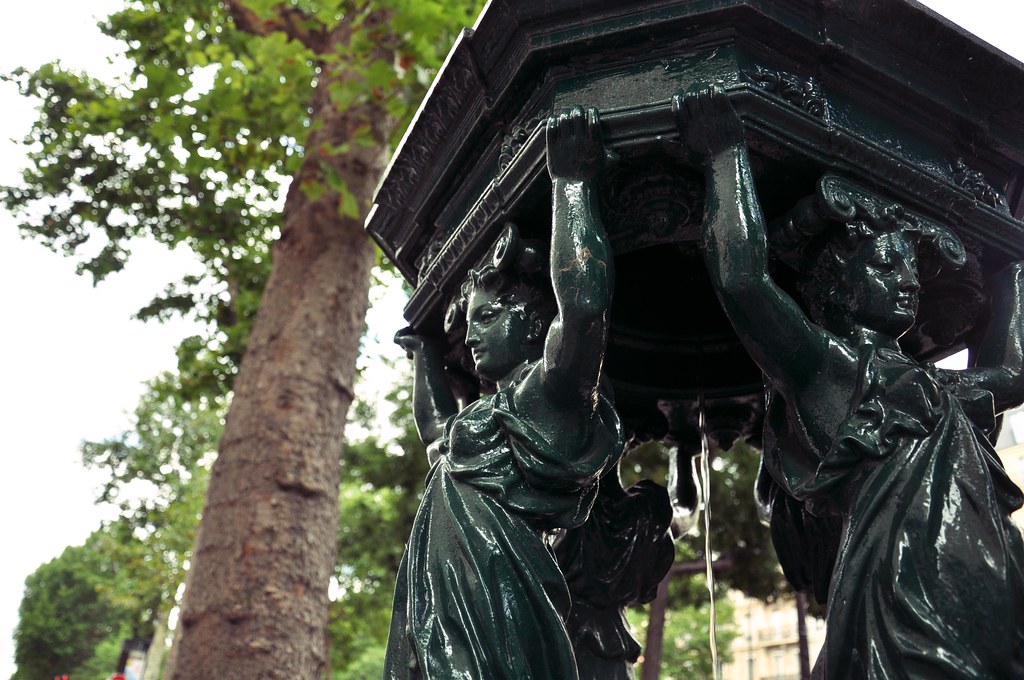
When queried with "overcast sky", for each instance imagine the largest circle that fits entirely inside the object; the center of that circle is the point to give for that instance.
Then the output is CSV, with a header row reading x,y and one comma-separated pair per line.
x,y
72,361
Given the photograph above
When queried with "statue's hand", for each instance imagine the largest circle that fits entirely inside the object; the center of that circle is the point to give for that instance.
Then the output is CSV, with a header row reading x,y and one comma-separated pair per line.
x,y
707,121
412,343
575,149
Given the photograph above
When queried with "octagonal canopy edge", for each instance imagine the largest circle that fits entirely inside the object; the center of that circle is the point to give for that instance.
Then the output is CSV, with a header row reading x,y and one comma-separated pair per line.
x,y
888,94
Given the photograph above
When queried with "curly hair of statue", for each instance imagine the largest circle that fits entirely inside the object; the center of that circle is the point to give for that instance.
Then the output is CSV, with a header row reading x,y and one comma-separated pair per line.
x,y
819,235
516,271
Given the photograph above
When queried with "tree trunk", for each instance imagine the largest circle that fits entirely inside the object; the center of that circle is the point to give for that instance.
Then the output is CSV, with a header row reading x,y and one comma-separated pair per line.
x,y
655,641
256,602
157,646
801,627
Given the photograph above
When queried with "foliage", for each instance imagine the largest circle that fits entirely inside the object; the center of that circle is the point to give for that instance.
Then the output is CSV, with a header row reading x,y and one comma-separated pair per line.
x,y
171,438
738,540
104,661
74,613
78,608
160,467
167,153
195,146
737,535
686,651
368,664
197,143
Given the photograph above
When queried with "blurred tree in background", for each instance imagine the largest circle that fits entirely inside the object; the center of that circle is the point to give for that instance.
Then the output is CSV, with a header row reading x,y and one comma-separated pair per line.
x,y
677,623
687,637
381,488
227,106
79,607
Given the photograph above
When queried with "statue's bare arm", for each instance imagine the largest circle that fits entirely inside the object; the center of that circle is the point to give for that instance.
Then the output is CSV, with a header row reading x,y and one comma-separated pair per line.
x,y
787,346
998,359
567,381
432,399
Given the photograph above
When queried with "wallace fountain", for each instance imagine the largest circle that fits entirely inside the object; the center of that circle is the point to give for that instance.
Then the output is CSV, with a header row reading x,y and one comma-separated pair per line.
x,y
756,219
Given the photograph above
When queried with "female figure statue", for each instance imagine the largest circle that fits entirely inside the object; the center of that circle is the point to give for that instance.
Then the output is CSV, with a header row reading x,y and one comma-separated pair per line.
x,y
479,593
928,576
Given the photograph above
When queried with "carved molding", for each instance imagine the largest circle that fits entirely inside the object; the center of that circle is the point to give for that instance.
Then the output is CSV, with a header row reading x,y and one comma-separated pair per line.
x,y
803,93
865,155
653,204
485,212
436,122
515,141
430,254
975,184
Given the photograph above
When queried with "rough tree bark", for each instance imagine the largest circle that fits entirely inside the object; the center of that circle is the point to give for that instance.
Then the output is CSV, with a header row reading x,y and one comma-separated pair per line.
x,y
653,645
801,628
256,603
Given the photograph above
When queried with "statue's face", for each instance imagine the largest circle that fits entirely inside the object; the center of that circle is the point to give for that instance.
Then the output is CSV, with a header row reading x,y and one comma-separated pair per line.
x,y
497,333
879,288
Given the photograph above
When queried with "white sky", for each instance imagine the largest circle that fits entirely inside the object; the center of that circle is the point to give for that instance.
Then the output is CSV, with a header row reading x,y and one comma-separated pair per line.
x,y
72,361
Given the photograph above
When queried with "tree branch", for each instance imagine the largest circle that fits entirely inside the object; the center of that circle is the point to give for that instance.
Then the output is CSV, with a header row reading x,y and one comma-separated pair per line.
x,y
724,563
292,21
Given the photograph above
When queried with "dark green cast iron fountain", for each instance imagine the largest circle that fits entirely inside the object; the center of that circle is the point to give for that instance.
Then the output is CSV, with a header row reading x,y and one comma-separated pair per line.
x,y
714,201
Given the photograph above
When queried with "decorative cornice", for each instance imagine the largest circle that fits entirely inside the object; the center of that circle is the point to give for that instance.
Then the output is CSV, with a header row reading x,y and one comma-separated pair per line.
x,y
803,93
454,248
975,184
438,121
514,142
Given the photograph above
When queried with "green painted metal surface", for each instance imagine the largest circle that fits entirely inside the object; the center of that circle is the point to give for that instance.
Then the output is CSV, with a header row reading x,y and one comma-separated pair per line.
x,y
882,102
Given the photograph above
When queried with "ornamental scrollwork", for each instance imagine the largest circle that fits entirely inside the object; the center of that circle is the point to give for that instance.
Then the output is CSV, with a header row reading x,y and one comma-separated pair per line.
x,y
800,92
975,184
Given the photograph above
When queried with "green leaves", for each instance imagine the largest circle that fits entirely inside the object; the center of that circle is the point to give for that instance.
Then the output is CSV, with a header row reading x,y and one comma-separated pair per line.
x,y
382,483
190,147
685,649
78,608
196,146
172,437
348,205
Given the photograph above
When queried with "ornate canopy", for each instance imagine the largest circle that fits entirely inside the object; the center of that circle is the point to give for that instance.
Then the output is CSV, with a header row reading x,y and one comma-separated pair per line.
x,y
886,94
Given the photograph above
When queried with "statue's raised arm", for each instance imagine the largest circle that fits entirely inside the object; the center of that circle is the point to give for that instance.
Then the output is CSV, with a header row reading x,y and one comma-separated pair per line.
x,y
564,388
433,401
997,362
928,568
479,594
773,328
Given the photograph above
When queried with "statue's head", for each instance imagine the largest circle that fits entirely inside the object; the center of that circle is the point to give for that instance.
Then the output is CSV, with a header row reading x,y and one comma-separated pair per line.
x,y
857,259
507,305
862,280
